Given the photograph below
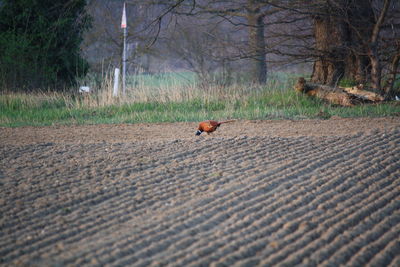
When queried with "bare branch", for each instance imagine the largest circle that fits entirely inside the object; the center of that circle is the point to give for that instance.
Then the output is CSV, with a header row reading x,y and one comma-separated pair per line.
x,y
378,24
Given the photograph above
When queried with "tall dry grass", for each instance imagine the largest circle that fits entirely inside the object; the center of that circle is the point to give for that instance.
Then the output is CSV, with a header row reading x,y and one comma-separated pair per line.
x,y
141,89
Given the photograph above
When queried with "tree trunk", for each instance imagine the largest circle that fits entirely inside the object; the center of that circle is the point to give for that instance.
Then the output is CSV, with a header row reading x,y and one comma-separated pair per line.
x,y
256,44
357,68
376,71
330,36
388,88
360,17
340,38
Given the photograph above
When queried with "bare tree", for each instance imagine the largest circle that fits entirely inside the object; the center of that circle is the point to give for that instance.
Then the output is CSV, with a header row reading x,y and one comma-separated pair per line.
x,y
362,23
347,39
248,14
352,39
201,47
104,43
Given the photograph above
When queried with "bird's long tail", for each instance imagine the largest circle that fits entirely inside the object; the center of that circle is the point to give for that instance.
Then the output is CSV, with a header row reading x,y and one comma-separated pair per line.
x,y
221,122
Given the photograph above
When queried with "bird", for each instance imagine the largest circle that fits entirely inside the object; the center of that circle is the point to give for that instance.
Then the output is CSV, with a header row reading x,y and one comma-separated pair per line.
x,y
210,126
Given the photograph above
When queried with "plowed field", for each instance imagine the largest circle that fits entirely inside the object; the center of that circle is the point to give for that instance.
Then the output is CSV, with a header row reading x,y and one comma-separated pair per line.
x,y
254,193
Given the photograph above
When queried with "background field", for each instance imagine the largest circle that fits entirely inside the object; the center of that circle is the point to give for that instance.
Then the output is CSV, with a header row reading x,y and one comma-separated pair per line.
x,y
255,193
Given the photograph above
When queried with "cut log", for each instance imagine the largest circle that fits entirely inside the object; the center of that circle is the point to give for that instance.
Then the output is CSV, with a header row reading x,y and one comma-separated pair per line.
x,y
344,96
332,95
364,94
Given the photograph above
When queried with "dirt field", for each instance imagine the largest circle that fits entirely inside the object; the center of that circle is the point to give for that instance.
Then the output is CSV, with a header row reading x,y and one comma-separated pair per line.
x,y
255,193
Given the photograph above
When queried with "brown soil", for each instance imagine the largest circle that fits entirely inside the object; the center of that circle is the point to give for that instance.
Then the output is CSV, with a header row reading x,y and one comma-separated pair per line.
x,y
185,131
253,193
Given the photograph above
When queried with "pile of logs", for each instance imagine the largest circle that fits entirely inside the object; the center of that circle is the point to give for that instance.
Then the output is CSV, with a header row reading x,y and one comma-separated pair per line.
x,y
344,96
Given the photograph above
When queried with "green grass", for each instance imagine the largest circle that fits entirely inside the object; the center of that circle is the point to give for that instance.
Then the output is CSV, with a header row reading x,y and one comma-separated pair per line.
x,y
177,101
166,79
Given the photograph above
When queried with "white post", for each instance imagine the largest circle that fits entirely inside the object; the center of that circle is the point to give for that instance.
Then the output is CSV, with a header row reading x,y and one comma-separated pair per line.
x,y
116,82
124,65
124,27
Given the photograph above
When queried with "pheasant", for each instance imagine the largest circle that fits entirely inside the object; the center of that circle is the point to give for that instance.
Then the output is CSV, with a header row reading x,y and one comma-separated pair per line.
x,y
210,126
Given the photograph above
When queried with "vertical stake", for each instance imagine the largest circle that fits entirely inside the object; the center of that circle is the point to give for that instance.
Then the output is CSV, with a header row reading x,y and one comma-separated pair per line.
x,y
124,27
